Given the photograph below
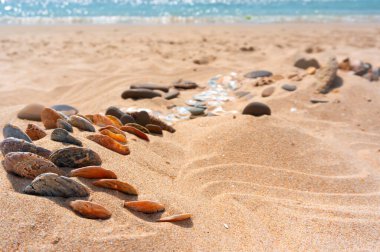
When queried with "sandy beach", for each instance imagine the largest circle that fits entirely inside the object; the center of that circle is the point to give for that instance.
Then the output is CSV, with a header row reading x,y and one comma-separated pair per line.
x,y
305,178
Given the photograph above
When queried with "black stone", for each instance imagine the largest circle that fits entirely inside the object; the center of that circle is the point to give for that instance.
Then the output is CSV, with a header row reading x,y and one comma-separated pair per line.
x,y
257,109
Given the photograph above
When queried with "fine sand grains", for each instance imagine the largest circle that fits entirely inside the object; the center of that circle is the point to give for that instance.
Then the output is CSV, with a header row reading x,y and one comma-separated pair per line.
x,y
305,178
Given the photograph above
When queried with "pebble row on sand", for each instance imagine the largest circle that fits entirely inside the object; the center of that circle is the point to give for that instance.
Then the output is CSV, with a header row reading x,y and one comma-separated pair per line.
x,y
25,159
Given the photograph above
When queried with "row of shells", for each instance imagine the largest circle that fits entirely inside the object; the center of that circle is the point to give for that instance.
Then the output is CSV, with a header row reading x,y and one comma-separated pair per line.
x,y
25,159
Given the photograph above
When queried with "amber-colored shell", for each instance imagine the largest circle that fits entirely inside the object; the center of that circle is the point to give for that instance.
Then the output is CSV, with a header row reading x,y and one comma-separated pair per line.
x,y
116,121
49,118
109,143
93,172
139,127
118,137
116,185
135,132
90,210
145,206
100,120
175,218
113,129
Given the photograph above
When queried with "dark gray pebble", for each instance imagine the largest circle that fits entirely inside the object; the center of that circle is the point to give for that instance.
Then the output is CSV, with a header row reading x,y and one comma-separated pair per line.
x,y
64,125
258,74
140,94
114,111
10,130
151,87
65,109
61,135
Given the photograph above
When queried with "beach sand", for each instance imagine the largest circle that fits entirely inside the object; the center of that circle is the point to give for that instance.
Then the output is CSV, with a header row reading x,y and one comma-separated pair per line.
x,y
305,178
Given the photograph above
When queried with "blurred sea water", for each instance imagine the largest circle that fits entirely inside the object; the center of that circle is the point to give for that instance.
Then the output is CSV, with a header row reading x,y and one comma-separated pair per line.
x,y
187,11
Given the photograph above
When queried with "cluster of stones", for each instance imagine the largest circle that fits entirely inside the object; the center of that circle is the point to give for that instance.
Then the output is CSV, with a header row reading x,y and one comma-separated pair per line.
x,y
360,68
148,90
48,170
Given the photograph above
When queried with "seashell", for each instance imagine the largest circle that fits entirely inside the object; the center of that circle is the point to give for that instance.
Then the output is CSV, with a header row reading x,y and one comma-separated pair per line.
x,y
116,185
93,172
28,165
145,206
31,112
135,132
127,118
49,118
81,123
113,129
10,130
139,127
175,218
62,124
50,184
118,137
116,122
109,143
100,120
154,129
90,209
114,111
61,135
75,157
12,144
156,121
65,109
35,132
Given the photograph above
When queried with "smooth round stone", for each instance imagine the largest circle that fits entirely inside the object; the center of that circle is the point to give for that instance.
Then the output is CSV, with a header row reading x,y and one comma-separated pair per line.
x,y
142,118
256,109
150,86
171,94
185,84
61,135
65,109
62,124
196,111
114,111
258,74
31,112
289,87
268,91
139,94
10,130
127,119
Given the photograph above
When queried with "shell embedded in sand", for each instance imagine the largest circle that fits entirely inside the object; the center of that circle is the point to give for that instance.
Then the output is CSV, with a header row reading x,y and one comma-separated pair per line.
x,y
10,130
75,157
156,121
115,136
100,120
175,218
61,135
116,185
135,132
35,132
116,122
113,129
114,111
49,118
93,172
90,209
145,206
109,143
81,123
139,127
50,184
155,129
28,165
12,144
64,125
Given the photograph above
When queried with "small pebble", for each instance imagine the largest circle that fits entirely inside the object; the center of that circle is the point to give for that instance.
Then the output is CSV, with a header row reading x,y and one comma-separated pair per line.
x,y
61,135
289,87
150,86
49,118
31,112
62,124
268,91
114,111
258,74
65,109
185,84
173,93
81,123
139,94
35,132
257,109
10,130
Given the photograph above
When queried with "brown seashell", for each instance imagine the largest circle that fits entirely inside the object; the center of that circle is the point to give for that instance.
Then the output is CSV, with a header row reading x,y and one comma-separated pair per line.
x,y
118,137
93,172
90,209
116,185
145,206
35,132
139,127
155,129
49,118
162,124
109,143
135,132
100,120
175,218
113,129
116,122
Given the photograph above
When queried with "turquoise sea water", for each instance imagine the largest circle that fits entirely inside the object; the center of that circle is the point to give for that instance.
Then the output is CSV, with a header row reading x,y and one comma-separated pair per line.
x,y
187,11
